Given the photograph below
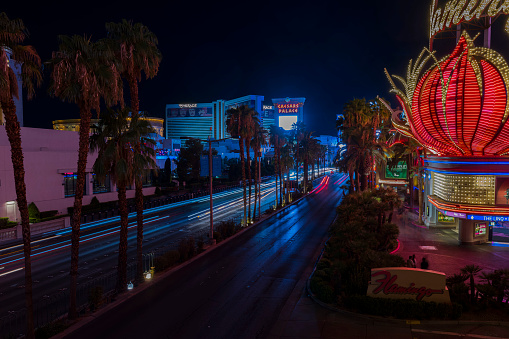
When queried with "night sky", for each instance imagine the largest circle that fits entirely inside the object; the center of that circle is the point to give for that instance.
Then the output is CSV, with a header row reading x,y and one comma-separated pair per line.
x,y
326,51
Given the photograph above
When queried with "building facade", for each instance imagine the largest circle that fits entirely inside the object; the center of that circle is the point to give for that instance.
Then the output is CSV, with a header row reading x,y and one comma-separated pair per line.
x,y
288,111
50,159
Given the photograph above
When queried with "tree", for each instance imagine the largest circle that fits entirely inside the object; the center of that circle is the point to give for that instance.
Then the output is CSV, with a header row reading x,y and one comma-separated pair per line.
x,y
135,48
12,35
251,121
277,140
83,72
297,134
470,271
188,160
259,140
237,124
117,159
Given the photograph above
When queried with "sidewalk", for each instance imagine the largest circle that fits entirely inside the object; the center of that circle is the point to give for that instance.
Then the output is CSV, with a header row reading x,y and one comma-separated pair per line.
x,y
303,317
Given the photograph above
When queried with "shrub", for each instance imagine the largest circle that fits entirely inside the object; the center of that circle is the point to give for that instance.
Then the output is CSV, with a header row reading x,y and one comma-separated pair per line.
x,y
157,192
227,228
50,330
94,202
166,260
95,298
33,212
186,249
403,308
323,290
48,214
5,223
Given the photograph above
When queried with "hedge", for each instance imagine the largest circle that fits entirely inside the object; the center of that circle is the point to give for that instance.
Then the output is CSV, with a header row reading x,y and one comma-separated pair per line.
x,y
403,308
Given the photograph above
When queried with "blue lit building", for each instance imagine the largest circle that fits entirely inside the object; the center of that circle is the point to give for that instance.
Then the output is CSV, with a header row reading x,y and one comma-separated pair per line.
x,y
288,111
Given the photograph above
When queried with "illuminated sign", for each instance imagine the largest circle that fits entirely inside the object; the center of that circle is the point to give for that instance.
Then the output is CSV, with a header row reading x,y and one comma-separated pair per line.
x,y
499,218
267,107
480,228
454,214
287,108
408,283
456,11
397,171
188,105
189,112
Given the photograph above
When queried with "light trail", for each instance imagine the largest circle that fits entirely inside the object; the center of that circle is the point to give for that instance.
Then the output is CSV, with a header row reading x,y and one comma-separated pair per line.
x,y
18,269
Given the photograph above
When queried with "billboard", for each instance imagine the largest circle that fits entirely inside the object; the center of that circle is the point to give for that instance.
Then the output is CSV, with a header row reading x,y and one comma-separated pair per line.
x,y
286,121
502,191
189,112
397,171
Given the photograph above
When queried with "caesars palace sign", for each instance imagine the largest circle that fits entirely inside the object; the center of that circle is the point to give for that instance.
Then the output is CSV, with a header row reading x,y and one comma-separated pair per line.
x,y
456,11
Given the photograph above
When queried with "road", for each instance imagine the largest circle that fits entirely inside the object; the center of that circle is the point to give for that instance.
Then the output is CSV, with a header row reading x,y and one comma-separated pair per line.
x,y
236,290
164,227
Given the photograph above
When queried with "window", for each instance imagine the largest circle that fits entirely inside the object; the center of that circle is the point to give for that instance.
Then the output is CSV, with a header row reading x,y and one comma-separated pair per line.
x,y
101,187
70,180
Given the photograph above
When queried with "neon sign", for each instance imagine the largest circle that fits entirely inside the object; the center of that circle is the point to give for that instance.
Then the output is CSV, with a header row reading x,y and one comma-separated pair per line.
x,y
188,105
267,107
456,11
287,108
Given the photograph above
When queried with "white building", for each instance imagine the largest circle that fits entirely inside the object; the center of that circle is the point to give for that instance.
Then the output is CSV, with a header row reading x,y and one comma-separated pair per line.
x,y
50,159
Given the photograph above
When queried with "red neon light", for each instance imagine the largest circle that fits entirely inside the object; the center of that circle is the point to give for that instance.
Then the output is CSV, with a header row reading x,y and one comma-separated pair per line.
x,y
471,123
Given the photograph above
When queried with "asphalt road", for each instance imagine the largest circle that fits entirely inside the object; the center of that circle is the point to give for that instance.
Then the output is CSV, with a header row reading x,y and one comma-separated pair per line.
x,y
164,227
236,290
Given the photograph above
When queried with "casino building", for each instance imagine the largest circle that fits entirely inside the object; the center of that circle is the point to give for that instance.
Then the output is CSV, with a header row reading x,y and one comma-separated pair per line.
x,y
458,112
201,120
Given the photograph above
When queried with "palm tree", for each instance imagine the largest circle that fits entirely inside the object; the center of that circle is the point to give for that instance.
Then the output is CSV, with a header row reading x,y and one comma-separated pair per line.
x,y
83,72
236,125
12,35
278,140
470,271
135,48
298,130
118,160
259,140
286,164
251,120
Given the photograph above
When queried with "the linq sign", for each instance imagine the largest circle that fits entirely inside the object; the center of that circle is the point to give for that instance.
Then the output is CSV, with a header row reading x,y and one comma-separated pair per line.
x,y
408,283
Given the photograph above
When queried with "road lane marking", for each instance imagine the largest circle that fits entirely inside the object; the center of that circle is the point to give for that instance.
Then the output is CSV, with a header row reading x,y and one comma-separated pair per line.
x,y
18,269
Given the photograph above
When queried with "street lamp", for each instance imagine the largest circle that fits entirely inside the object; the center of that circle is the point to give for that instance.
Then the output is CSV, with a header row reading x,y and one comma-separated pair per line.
x,y
210,141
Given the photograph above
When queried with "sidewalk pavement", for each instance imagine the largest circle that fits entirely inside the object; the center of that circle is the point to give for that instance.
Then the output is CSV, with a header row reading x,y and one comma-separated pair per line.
x,y
304,317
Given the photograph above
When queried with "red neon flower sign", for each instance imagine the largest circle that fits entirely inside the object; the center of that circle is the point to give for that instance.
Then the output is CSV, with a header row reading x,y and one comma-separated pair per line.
x,y
460,106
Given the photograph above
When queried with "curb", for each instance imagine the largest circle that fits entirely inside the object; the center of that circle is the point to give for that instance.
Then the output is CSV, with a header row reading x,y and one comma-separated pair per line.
x,y
161,276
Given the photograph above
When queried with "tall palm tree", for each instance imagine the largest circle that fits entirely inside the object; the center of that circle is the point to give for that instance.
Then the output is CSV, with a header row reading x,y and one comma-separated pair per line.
x,y
298,130
135,48
259,140
251,120
12,35
278,140
117,134
83,72
236,125
286,164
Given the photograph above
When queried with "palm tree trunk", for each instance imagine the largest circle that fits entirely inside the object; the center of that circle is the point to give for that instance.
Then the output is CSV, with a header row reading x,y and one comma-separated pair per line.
x,y
248,155
138,196
122,246
86,115
256,183
260,186
243,166
305,174
13,131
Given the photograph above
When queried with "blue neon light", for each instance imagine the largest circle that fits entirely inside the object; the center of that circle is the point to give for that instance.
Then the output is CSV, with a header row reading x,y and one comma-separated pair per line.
x,y
469,173
500,218
468,162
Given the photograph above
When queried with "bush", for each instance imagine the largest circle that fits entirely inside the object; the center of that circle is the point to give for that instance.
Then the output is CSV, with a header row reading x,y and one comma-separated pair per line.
x,y
403,308
226,229
48,214
157,192
5,223
166,260
95,298
323,290
94,202
50,330
33,211
187,249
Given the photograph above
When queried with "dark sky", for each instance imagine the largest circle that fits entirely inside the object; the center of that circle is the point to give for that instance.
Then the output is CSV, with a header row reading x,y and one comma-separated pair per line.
x,y
326,51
